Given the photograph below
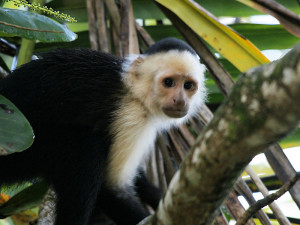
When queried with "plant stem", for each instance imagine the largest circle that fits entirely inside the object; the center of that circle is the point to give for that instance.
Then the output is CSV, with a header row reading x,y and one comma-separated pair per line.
x,y
27,46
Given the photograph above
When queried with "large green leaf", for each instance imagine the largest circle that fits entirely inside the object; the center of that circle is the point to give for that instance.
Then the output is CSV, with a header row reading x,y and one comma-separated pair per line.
x,y
33,26
26,199
16,133
267,36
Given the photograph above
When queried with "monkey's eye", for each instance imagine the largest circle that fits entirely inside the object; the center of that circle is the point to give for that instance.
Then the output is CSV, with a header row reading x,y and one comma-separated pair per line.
x,y
189,85
169,82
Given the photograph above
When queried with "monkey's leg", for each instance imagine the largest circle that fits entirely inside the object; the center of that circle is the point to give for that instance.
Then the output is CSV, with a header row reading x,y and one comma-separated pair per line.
x,y
75,200
122,206
78,183
147,192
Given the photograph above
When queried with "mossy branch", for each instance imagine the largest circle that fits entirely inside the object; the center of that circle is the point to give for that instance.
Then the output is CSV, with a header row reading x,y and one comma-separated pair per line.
x,y
261,109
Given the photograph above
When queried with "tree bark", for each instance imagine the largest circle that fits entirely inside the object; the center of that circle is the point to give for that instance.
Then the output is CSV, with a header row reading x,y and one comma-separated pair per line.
x,y
47,208
262,108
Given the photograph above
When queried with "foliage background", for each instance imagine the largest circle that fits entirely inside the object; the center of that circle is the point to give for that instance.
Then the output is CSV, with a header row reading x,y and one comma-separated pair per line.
x,y
270,38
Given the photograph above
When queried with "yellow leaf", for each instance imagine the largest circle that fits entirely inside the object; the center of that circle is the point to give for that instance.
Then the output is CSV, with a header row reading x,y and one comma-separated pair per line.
x,y
234,47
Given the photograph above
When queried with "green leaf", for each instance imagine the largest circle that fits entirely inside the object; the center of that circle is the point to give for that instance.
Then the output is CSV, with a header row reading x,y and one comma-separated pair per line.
x,y
16,133
267,36
26,199
78,27
33,26
289,20
293,140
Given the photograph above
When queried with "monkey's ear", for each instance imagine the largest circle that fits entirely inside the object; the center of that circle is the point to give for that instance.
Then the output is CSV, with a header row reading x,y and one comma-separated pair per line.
x,y
138,61
135,64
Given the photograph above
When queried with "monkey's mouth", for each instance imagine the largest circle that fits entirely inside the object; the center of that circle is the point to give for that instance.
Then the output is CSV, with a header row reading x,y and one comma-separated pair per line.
x,y
175,113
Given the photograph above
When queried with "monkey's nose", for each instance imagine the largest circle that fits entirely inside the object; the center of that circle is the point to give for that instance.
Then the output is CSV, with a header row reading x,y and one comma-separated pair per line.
x,y
179,102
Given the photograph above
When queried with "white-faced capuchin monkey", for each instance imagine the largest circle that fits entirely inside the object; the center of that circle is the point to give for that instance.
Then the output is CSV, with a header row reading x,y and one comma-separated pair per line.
x,y
95,118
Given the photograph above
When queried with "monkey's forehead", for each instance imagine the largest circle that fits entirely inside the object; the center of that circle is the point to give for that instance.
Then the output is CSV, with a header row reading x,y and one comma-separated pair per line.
x,y
176,62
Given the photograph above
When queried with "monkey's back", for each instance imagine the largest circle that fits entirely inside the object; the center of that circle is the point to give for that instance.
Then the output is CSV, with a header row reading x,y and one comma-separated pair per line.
x,y
68,96
66,87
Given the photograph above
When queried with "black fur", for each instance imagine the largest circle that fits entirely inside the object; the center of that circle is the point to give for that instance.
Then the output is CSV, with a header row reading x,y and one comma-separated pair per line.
x,y
168,44
68,96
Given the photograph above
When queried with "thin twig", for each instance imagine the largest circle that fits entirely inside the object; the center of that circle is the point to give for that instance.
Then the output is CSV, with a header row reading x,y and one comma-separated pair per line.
x,y
235,208
92,24
266,201
147,39
242,188
263,189
101,25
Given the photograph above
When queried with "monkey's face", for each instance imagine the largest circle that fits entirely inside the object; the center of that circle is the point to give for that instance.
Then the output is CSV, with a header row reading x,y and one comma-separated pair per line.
x,y
168,83
176,91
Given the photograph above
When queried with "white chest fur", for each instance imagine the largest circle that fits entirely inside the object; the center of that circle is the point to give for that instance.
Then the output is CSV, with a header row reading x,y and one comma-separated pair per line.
x,y
126,155
134,136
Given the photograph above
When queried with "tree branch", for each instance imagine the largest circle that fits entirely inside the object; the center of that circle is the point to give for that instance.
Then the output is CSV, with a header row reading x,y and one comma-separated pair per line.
x,y
260,110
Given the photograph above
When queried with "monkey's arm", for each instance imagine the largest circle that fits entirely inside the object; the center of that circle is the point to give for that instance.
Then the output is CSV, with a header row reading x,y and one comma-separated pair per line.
x,y
122,206
147,192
